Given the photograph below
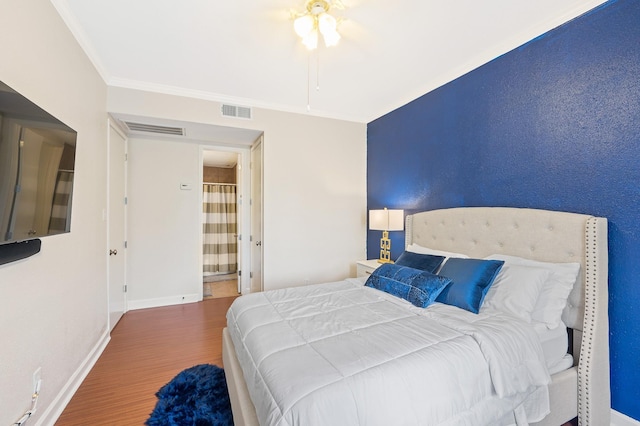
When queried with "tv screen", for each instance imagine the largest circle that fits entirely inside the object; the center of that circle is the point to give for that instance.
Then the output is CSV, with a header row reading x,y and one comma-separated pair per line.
x,y
37,159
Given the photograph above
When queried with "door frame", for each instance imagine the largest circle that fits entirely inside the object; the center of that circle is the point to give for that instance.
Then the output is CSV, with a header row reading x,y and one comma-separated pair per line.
x,y
243,188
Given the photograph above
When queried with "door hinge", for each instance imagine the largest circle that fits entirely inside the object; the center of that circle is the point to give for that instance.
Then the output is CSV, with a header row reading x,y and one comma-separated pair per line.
x,y
126,200
239,272
125,288
250,238
250,274
125,244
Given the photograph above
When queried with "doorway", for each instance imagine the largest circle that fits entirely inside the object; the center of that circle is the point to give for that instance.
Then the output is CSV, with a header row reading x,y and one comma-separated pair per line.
x,y
248,174
221,223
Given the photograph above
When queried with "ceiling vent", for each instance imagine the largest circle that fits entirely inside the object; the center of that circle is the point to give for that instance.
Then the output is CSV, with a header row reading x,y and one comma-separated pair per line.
x,y
152,128
236,111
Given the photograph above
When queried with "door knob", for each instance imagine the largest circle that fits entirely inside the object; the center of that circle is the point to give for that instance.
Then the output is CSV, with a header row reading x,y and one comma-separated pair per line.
x,y
113,252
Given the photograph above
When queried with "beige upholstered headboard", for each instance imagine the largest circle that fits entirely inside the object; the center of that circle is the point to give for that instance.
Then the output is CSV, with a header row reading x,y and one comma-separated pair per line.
x,y
547,236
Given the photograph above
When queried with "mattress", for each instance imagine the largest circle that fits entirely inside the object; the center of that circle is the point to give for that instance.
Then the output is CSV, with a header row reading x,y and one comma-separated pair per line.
x,y
342,353
555,343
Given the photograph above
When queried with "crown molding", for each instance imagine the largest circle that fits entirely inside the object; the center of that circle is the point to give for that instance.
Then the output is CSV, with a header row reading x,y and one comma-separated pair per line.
x,y
215,97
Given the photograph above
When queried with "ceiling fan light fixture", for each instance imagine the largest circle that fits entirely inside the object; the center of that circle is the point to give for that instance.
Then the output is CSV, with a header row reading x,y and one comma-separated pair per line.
x,y
316,19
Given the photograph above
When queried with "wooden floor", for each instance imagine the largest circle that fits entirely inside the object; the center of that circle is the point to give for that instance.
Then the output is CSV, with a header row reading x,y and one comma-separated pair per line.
x,y
148,348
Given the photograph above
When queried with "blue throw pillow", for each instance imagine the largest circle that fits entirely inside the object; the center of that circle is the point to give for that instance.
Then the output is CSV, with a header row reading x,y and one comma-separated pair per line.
x,y
418,287
424,262
471,279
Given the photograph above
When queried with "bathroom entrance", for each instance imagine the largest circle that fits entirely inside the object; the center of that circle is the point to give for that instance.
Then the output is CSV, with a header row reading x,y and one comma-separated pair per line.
x,y
220,196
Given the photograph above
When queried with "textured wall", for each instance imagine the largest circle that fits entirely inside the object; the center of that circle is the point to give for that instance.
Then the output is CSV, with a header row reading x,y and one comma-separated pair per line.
x,y
554,124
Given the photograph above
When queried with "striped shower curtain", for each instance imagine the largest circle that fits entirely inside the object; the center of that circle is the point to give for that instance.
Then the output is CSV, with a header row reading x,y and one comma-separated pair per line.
x,y
60,220
220,229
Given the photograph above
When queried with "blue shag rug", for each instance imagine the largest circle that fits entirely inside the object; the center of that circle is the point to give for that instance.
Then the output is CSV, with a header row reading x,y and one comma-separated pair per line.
x,y
197,396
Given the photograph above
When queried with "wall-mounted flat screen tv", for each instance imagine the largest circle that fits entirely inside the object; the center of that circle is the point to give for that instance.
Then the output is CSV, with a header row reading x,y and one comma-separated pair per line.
x,y
37,159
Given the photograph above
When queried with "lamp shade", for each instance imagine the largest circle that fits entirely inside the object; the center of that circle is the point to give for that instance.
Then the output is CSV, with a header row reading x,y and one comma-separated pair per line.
x,y
386,220
304,25
327,23
311,40
331,38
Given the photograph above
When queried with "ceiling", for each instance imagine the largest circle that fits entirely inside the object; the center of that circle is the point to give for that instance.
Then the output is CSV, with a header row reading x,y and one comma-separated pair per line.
x,y
222,159
245,52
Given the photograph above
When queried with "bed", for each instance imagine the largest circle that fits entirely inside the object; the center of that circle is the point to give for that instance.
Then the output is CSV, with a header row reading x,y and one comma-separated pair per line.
x,y
580,389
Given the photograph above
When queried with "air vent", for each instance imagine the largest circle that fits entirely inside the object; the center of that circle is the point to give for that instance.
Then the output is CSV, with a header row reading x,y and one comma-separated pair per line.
x,y
152,128
236,111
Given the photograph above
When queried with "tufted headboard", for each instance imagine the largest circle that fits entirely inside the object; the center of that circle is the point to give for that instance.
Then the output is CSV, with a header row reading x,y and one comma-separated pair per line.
x,y
547,236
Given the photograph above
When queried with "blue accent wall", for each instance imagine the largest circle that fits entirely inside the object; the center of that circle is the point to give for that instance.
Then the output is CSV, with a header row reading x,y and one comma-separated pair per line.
x,y
554,124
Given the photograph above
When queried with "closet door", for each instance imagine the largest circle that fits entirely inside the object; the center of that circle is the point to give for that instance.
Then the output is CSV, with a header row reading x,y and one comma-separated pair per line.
x,y
116,224
256,217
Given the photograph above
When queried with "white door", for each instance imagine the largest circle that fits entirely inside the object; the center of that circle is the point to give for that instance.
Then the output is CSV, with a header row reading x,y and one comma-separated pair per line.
x,y
256,217
116,224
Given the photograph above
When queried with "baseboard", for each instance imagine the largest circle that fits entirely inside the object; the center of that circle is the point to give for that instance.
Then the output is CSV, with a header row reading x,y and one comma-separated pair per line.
x,y
132,305
619,419
53,411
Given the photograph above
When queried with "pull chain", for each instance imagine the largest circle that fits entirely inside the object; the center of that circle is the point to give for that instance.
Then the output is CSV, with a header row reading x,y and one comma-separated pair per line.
x,y
309,82
318,69
309,76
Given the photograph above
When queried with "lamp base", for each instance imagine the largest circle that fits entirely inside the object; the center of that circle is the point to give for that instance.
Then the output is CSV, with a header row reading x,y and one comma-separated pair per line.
x,y
385,248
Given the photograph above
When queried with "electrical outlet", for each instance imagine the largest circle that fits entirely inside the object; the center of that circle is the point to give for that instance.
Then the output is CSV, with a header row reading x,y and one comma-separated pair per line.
x,y
37,380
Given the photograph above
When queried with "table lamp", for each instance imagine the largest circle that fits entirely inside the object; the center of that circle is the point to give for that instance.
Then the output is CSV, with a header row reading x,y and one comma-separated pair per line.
x,y
386,220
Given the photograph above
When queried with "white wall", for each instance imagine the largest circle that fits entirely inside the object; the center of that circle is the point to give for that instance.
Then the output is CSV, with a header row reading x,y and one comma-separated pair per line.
x,y
164,223
314,187
53,306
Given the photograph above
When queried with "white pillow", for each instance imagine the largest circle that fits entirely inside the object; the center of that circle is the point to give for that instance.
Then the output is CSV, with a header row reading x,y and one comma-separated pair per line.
x,y
555,292
415,248
515,290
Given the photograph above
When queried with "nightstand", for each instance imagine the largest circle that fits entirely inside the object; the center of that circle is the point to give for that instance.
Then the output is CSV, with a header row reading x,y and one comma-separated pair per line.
x,y
364,268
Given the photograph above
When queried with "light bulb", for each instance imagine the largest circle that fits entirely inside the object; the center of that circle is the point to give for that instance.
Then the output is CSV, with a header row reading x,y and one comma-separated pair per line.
x,y
304,25
331,38
311,40
326,23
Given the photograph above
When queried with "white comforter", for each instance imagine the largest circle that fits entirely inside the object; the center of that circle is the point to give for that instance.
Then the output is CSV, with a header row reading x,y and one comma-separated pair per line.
x,y
345,354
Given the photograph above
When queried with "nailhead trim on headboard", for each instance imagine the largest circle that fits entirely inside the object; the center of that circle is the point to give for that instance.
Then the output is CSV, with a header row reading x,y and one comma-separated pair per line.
x,y
591,376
